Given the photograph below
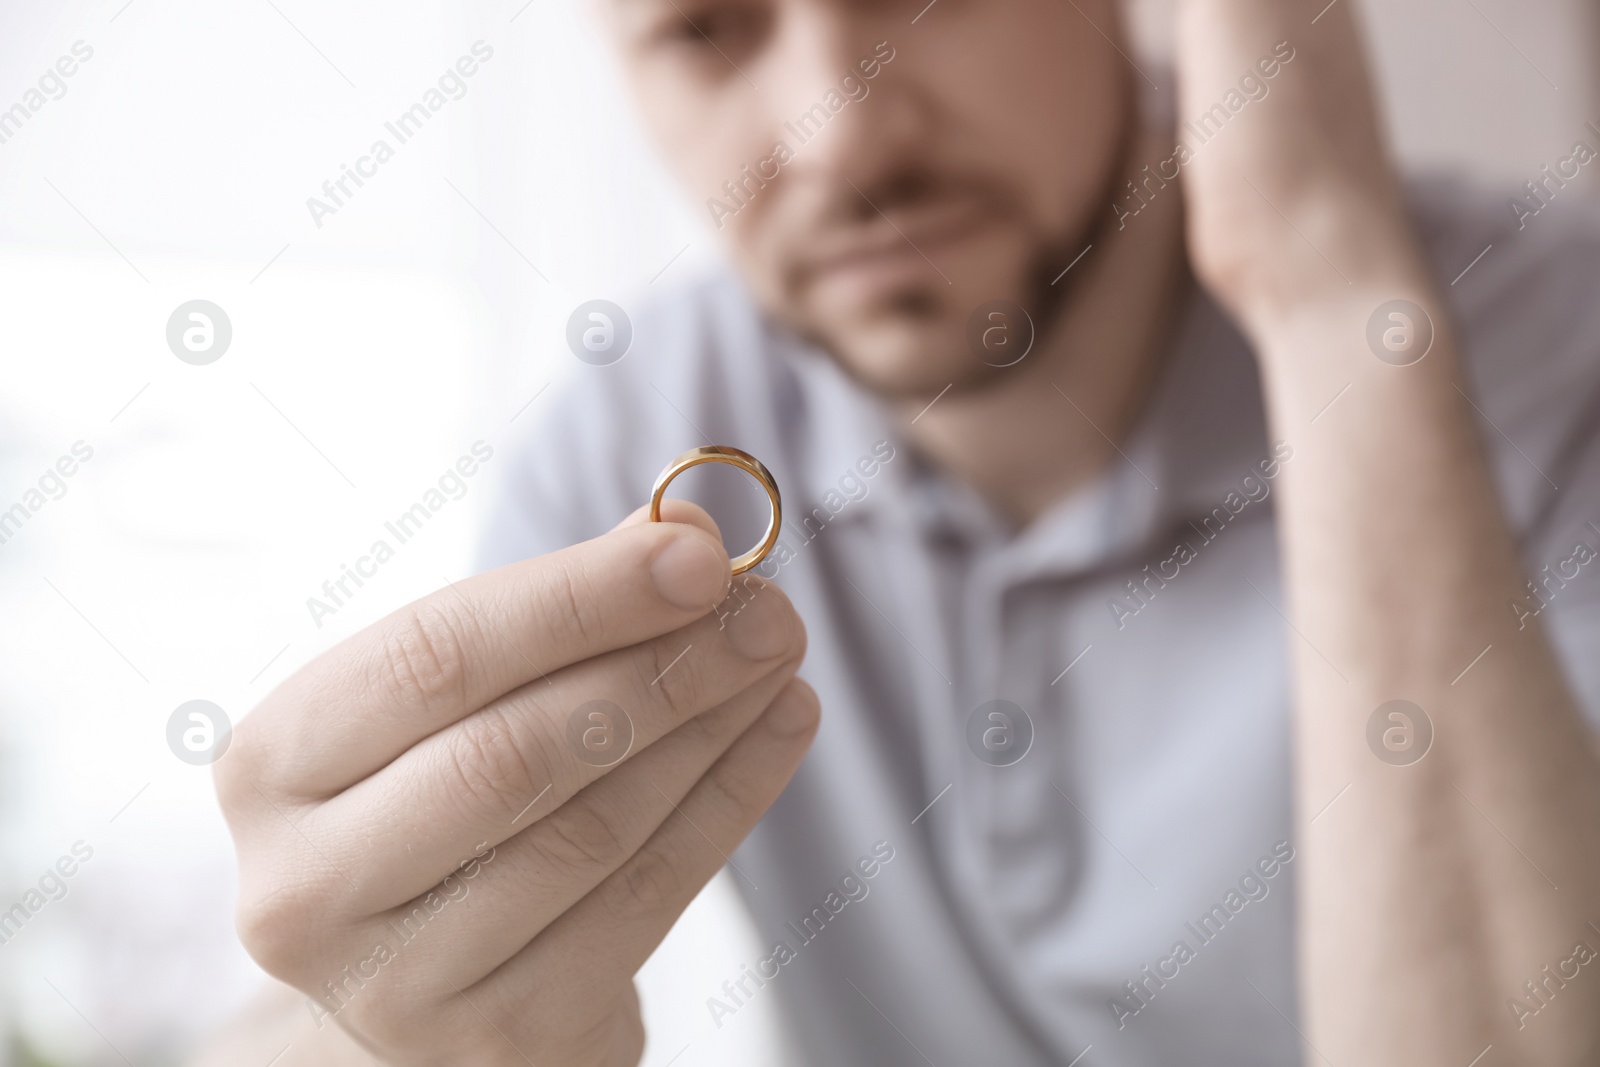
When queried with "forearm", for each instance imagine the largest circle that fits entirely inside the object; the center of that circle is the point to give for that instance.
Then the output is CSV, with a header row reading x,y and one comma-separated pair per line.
x,y
1432,890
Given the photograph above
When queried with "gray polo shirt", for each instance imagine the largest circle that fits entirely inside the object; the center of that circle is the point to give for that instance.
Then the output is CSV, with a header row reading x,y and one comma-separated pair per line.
x,y
1061,753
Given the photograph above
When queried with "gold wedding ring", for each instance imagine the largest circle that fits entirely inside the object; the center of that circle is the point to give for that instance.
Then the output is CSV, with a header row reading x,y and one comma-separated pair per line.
x,y
745,462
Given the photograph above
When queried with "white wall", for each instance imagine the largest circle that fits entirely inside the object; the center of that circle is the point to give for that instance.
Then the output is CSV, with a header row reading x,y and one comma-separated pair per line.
x,y
1490,88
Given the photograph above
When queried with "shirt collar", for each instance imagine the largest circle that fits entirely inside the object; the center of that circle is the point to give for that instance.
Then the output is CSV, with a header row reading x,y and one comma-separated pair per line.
x,y
1203,430
842,433
1201,433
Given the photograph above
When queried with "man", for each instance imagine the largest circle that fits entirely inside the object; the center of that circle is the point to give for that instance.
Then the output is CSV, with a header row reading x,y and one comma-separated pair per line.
x,y
1162,520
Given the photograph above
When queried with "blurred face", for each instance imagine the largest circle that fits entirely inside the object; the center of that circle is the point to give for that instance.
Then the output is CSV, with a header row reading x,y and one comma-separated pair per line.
x,y
878,179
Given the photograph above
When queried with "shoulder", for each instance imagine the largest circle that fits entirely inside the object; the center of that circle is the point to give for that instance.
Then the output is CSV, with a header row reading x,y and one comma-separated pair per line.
x,y
1507,268
584,453
1522,292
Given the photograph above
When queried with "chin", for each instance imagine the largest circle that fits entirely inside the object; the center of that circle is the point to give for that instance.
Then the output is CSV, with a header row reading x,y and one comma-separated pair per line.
x,y
913,343
905,357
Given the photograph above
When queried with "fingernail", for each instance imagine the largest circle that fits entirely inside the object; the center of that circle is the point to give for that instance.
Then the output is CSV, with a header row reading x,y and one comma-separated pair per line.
x,y
689,574
758,621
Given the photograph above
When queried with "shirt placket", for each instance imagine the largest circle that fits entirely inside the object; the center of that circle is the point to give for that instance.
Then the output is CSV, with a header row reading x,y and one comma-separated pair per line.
x,y
1003,634
990,573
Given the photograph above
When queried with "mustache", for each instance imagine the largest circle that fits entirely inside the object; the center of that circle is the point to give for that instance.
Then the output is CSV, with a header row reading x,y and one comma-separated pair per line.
x,y
820,221
852,204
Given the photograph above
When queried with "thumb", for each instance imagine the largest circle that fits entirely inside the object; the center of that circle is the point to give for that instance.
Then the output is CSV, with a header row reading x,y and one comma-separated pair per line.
x,y
681,511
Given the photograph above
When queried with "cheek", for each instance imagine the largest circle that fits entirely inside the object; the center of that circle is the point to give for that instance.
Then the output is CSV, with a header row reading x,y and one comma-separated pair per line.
x,y
1046,107
707,136
706,132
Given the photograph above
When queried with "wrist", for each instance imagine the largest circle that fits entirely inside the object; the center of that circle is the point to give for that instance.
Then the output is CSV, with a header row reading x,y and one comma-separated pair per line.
x,y
1396,322
1326,387
1389,331
1337,256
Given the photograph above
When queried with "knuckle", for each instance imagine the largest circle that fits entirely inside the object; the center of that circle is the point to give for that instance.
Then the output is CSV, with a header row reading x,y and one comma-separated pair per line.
x,y
490,762
425,659
235,776
574,592
717,728
675,677
754,588
581,838
720,727
259,764
274,920
652,883
725,791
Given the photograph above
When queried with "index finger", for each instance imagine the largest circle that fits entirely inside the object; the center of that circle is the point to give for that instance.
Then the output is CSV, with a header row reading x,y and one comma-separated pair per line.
x,y
362,703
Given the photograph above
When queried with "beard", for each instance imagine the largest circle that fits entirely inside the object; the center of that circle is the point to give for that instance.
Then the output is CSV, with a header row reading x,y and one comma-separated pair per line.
x,y
917,340
923,340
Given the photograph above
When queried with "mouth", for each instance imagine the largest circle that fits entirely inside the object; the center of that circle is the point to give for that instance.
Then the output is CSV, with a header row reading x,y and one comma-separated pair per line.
x,y
894,252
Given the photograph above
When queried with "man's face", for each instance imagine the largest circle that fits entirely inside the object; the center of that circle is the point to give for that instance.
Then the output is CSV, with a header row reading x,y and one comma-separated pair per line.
x,y
876,178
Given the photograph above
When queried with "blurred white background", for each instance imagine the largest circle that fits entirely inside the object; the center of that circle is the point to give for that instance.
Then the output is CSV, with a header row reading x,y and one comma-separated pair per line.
x,y
367,355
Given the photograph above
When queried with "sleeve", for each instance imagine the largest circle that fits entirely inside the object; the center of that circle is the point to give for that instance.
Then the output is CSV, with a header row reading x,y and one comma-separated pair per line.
x,y
1530,326
1542,399
1564,567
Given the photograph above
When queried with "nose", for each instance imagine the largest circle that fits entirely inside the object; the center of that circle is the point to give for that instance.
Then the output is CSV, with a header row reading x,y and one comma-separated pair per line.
x,y
844,108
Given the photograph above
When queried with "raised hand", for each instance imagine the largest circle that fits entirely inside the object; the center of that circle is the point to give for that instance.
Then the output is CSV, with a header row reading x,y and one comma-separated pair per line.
x,y
1415,930
1292,201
